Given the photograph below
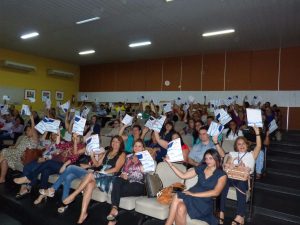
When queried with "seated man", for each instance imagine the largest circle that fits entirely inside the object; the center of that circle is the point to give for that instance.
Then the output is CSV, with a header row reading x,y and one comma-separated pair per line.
x,y
196,154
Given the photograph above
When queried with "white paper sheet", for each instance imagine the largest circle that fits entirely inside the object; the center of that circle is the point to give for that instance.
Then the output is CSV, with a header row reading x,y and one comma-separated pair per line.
x,y
48,124
254,117
215,129
78,126
93,144
127,120
6,98
85,112
146,160
256,100
65,107
222,116
273,126
175,151
167,107
25,111
150,122
158,123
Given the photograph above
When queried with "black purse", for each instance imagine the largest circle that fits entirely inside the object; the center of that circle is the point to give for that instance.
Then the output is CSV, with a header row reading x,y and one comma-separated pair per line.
x,y
153,184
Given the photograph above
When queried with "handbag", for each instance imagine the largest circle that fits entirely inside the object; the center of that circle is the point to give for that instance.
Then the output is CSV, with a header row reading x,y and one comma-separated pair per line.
x,y
165,196
238,172
153,184
30,155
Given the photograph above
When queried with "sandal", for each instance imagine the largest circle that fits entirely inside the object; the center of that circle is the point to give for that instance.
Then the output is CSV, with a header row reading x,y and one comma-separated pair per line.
x,y
40,199
62,208
20,195
47,192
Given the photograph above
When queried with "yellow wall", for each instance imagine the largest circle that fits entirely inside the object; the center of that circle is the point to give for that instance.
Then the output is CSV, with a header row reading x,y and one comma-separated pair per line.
x,y
38,80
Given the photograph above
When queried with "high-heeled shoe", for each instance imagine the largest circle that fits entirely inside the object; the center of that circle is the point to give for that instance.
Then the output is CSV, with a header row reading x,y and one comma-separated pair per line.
x,y
40,199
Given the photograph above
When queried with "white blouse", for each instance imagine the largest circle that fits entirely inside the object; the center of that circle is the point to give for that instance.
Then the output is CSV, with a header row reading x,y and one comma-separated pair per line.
x,y
245,157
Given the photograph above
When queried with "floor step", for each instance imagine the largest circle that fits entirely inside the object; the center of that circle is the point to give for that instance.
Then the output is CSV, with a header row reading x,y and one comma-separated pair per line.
x,y
269,199
265,216
276,188
283,172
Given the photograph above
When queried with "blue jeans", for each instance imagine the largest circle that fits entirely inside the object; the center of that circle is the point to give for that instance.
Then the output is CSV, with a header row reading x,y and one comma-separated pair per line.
x,y
46,169
241,198
29,168
260,162
71,173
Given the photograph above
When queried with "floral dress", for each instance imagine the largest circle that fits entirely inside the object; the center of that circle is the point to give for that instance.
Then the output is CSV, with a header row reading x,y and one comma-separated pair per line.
x,y
13,155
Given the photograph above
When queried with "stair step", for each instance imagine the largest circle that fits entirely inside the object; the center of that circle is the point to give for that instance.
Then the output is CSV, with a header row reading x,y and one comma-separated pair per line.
x,y
277,188
282,159
281,181
284,172
276,201
267,216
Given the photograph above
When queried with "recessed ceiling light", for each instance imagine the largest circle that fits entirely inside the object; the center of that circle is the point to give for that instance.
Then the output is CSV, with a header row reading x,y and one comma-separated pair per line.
x,y
169,0
87,52
139,44
30,35
88,20
220,32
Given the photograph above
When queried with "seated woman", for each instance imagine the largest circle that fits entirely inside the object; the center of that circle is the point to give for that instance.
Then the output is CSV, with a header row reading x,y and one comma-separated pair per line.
x,y
110,163
197,202
240,156
129,183
130,139
49,145
164,144
10,157
68,153
232,132
167,131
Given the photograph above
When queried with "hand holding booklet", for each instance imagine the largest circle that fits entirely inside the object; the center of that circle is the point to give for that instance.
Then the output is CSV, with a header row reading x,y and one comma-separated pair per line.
x,y
127,120
254,117
65,107
158,123
49,125
78,126
175,151
215,129
146,160
273,126
93,145
25,111
222,116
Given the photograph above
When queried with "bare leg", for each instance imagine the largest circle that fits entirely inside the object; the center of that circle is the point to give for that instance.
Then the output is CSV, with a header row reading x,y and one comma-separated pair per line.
x,y
4,168
86,200
180,218
87,179
173,210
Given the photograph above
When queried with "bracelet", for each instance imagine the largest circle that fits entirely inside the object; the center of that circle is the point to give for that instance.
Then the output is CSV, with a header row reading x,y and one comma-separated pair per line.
x,y
216,143
257,134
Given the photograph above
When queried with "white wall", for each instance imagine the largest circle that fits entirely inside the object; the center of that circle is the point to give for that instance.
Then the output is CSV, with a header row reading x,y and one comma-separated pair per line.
x,y
281,98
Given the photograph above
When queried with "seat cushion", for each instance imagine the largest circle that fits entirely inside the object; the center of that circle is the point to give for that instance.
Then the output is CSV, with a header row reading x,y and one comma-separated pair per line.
x,y
127,203
151,207
99,196
195,222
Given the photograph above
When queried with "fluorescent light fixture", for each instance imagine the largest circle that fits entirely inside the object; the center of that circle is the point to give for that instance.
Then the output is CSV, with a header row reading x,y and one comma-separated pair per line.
x,y
88,20
87,52
220,32
30,35
169,0
139,44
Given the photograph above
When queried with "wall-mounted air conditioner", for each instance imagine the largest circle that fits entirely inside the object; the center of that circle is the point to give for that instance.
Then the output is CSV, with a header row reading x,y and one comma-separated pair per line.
x,y
60,73
17,66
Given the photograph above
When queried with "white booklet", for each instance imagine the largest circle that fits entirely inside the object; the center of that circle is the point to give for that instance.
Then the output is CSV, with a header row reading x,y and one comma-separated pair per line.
x,y
25,111
167,107
85,112
48,104
229,101
175,151
6,98
158,123
40,127
78,126
127,120
65,107
254,117
146,160
4,110
93,144
150,122
273,126
84,98
222,116
215,129
47,124
256,100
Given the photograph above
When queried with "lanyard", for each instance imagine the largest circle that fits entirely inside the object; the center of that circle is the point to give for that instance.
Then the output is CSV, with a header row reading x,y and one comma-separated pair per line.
x,y
239,159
